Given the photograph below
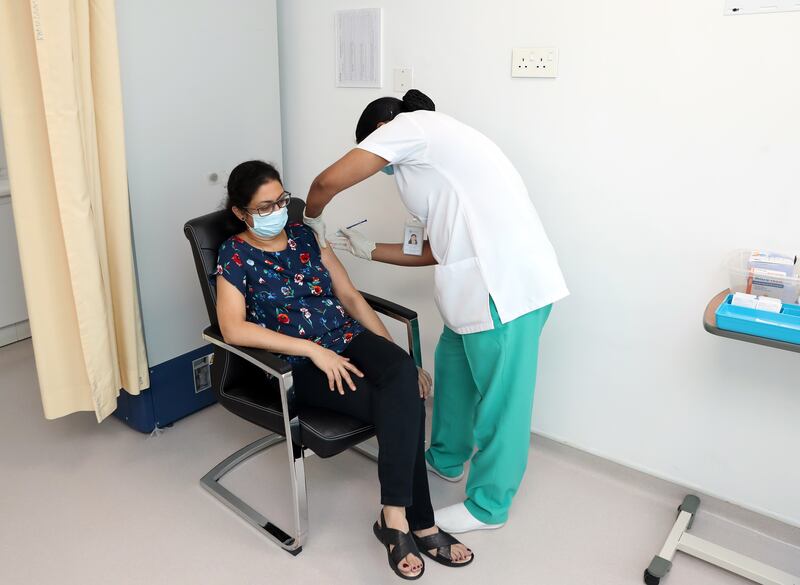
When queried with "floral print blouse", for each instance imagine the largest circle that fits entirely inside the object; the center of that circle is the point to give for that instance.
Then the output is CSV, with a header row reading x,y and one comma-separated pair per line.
x,y
290,292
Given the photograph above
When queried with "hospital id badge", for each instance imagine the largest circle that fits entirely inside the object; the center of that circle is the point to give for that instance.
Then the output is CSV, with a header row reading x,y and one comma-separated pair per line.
x,y
413,237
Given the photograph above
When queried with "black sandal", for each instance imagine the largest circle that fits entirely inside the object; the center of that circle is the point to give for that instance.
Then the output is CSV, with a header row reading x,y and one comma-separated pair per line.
x,y
441,542
403,543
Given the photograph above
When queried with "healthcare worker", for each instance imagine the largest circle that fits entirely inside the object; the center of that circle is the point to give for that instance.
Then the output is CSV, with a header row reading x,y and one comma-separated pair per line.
x,y
496,278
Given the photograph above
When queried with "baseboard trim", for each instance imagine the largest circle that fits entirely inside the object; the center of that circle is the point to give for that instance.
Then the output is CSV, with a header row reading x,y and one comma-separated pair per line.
x,y
763,522
15,332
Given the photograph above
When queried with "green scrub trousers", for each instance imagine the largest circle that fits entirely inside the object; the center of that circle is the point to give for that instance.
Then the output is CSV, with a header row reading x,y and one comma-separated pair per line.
x,y
484,400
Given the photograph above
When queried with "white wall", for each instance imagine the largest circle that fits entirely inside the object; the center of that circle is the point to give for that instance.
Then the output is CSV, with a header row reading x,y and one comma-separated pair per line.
x,y
671,137
200,91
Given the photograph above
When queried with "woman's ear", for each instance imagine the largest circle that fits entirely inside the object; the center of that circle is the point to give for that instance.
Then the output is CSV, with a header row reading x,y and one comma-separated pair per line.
x,y
380,124
240,215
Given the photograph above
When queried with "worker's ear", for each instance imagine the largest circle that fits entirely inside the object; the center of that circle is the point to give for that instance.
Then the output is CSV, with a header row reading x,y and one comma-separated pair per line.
x,y
380,124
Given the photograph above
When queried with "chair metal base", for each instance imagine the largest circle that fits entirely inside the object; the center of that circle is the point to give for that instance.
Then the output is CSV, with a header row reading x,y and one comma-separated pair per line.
x,y
290,542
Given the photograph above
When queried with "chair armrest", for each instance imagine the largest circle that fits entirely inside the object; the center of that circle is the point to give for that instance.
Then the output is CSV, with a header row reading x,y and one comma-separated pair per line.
x,y
388,308
402,314
273,365
265,360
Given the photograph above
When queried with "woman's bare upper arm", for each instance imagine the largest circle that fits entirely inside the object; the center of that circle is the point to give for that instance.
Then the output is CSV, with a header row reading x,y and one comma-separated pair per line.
x,y
343,287
230,303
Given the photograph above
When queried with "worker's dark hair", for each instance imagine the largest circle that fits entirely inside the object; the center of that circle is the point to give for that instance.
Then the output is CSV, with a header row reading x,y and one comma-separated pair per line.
x,y
243,183
386,108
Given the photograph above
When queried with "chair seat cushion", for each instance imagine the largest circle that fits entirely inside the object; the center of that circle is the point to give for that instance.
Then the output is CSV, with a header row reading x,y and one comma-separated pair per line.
x,y
325,432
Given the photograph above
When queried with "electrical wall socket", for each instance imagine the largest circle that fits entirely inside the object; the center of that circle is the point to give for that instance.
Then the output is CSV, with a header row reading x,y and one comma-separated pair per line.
x,y
403,78
534,62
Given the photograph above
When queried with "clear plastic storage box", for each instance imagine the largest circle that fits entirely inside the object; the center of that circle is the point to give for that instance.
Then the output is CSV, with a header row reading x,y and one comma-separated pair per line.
x,y
744,279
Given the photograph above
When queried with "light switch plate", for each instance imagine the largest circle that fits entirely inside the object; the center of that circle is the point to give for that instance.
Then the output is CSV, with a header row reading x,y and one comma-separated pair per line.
x,y
403,78
738,7
534,62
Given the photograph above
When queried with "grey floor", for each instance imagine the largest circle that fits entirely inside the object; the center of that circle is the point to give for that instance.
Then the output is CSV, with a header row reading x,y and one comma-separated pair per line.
x,y
88,504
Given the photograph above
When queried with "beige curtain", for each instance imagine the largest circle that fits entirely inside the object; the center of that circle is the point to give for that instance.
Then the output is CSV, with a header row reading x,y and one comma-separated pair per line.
x,y
61,107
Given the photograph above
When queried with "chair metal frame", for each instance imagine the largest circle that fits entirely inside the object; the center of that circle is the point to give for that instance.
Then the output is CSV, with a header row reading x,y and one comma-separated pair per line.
x,y
293,540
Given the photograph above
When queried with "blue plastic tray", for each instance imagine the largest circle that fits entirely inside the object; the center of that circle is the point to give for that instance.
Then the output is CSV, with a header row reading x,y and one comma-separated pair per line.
x,y
783,326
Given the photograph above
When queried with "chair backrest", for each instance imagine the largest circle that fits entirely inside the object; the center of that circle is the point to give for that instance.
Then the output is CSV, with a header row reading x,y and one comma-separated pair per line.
x,y
206,234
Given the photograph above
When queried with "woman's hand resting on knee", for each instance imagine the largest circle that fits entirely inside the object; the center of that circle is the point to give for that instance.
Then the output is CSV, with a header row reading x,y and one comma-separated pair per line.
x,y
336,368
425,383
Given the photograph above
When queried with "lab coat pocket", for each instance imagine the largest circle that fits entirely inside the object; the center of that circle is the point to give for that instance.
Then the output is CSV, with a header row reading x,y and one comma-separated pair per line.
x,y
461,295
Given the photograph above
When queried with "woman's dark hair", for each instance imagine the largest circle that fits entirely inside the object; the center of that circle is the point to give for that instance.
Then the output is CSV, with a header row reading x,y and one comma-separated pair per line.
x,y
386,108
246,179
243,183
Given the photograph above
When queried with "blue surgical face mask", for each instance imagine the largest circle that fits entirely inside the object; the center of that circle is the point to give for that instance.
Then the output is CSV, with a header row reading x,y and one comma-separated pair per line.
x,y
269,226
388,169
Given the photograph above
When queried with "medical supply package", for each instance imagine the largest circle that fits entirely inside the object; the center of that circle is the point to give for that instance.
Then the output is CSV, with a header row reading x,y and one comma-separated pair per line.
x,y
768,274
765,274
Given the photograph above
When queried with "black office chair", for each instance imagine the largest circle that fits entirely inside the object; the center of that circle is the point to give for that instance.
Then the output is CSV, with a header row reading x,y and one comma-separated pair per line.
x,y
257,386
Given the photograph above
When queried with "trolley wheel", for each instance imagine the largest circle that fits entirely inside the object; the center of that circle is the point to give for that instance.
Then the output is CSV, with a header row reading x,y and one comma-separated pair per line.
x,y
651,579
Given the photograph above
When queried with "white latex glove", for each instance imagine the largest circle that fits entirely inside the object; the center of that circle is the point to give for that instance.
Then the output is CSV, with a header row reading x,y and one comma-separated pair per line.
x,y
316,224
425,384
355,242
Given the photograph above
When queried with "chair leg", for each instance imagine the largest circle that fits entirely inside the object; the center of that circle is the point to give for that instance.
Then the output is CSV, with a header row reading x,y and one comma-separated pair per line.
x,y
292,543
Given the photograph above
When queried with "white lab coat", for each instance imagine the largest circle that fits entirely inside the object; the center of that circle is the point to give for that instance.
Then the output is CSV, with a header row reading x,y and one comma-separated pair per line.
x,y
482,226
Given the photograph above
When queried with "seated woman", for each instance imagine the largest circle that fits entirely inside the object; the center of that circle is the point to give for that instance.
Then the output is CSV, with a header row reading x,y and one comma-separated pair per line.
x,y
277,290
